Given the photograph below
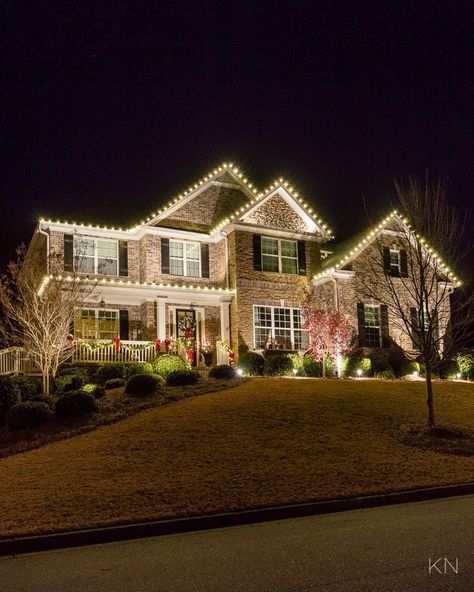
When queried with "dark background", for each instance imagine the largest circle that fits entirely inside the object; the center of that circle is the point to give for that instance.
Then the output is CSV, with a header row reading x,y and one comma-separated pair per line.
x,y
112,108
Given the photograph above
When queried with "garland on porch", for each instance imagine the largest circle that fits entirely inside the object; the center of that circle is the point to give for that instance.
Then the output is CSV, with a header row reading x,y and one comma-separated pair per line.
x,y
230,353
115,342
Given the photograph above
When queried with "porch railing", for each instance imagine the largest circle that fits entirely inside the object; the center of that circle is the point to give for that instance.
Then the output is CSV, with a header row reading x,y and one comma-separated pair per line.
x,y
12,361
102,352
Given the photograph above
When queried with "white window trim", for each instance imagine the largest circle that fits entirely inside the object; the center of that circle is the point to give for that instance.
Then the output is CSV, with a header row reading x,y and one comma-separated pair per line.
x,y
279,255
273,327
96,320
185,259
379,320
96,254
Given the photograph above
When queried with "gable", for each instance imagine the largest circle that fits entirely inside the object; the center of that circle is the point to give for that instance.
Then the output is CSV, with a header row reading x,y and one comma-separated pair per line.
x,y
277,213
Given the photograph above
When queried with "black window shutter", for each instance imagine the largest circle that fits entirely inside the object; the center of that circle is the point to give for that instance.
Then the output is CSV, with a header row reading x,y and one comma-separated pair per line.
x,y
414,327
361,324
123,316
68,252
301,258
384,325
403,263
204,260
123,258
165,255
386,260
257,252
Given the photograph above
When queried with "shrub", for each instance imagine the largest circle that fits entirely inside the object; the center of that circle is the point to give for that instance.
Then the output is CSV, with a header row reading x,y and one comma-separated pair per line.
x,y
27,386
357,362
380,366
408,367
43,399
312,368
252,363
96,390
9,395
465,362
69,370
297,362
142,384
28,414
108,371
75,404
278,366
386,374
182,377
137,368
222,371
164,364
114,383
70,382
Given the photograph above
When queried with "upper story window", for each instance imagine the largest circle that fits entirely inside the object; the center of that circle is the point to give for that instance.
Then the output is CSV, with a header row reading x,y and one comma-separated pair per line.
x,y
185,258
279,255
395,261
95,256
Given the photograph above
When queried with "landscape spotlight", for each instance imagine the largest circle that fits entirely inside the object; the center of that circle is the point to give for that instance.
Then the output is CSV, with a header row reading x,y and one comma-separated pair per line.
x,y
459,375
359,372
415,373
295,371
240,371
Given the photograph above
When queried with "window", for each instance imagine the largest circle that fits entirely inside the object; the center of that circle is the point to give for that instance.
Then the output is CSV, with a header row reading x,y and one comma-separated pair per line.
x,y
395,262
279,255
279,328
372,326
417,320
95,256
96,324
185,258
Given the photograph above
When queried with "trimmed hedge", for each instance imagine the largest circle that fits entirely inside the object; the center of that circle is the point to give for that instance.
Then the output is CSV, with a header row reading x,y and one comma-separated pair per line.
x,y
252,363
279,365
137,368
387,374
28,386
297,362
75,404
114,383
222,371
29,414
70,370
96,390
44,399
9,396
143,384
182,378
108,371
70,382
164,364
312,368
357,362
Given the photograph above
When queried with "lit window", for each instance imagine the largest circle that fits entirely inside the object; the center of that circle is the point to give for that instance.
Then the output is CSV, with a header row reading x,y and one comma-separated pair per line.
x,y
185,258
372,325
395,262
96,324
95,256
279,255
279,328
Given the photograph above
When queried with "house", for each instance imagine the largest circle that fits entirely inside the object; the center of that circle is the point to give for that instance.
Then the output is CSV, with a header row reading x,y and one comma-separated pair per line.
x,y
222,263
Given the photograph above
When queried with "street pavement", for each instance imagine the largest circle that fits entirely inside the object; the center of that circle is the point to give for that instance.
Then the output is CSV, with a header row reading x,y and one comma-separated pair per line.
x,y
385,549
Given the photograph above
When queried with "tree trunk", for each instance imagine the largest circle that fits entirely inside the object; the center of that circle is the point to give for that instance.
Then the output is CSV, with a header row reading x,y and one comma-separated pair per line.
x,y
429,397
324,365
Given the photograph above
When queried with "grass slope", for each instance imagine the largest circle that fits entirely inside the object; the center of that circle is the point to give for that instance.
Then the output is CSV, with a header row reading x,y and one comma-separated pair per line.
x,y
269,441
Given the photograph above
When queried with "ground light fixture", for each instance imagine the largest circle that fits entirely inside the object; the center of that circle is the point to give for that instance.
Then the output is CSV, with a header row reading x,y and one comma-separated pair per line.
x,y
415,373
459,375
359,372
295,371
240,371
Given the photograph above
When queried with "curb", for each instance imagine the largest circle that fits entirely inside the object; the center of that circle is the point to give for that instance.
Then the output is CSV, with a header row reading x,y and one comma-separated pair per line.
x,y
94,536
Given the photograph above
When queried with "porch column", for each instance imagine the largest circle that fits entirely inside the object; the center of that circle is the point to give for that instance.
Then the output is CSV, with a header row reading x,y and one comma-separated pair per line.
x,y
161,321
225,321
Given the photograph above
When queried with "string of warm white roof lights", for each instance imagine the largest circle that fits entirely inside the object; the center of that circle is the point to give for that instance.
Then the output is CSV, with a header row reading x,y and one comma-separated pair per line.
x,y
192,188
114,282
370,236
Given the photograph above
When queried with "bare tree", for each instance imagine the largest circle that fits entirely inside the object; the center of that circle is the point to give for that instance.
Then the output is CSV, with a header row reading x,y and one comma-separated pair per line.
x,y
410,277
38,310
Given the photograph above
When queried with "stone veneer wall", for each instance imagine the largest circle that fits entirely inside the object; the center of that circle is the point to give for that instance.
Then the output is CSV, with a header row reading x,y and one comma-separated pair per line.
x,y
276,212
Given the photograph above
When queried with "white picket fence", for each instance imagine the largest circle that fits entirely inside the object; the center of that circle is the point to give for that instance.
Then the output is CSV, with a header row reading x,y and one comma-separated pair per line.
x,y
102,352
12,361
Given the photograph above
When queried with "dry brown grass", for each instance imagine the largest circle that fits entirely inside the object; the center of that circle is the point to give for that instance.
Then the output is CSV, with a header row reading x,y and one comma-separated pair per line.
x,y
267,442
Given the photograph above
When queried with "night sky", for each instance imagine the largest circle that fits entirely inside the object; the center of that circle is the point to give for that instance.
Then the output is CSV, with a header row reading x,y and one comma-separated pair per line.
x,y
112,108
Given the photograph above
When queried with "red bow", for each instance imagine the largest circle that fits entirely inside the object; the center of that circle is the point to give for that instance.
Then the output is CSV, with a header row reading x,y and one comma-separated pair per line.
x,y
190,355
167,344
231,358
157,345
116,341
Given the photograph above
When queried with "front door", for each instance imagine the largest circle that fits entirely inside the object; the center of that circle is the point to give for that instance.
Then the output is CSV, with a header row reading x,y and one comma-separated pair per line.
x,y
186,331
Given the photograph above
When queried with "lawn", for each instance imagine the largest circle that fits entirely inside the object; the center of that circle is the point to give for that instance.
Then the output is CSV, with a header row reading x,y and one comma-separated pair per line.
x,y
266,442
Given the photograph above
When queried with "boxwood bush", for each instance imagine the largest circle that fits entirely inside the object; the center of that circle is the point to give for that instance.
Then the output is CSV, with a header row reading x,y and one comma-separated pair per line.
x,y
310,367
137,368
143,384
70,382
387,374
182,378
164,364
108,371
222,371
28,386
41,398
114,383
279,365
252,363
75,404
28,414
297,362
96,390
356,362
9,396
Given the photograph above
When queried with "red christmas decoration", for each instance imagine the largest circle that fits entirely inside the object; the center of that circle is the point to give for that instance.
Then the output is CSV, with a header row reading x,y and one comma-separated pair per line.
x,y
231,358
190,355
188,333
116,341
157,345
167,344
